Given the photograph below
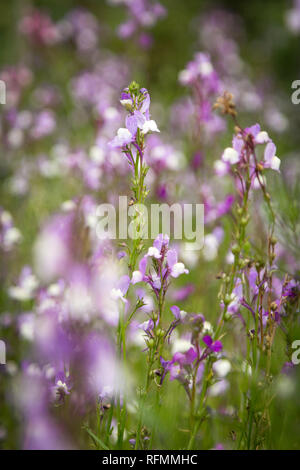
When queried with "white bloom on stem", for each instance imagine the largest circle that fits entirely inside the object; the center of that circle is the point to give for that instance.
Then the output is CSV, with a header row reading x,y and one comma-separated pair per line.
x,y
230,155
275,163
221,168
116,294
178,269
262,138
123,137
154,252
11,237
150,126
271,160
137,276
222,367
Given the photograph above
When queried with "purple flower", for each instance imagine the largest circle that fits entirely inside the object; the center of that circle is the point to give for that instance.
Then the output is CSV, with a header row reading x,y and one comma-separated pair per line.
x,y
291,290
183,293
167,261
62,386
138,276
176,312
139,118
185,358
176,269
44,125
271,160
215,346
123,138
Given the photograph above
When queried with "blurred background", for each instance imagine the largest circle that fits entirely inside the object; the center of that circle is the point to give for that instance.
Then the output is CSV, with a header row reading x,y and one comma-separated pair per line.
x,y
64,64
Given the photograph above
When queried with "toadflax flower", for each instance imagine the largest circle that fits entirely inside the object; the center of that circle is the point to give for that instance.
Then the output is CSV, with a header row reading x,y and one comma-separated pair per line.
x,y
167,264
26,286
123,138
176,268
270,159
230,155
137,103
149,126
214,346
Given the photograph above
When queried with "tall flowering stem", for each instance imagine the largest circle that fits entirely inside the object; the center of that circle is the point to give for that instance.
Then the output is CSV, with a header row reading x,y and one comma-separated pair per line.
x,y
131,140
163,267
242,163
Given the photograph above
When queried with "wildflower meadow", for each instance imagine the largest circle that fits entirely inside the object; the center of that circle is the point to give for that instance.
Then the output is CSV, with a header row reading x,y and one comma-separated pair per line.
x,y
149,225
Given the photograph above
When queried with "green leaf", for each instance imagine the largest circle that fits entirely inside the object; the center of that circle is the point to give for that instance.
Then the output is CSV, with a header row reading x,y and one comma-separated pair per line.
x,y
96,439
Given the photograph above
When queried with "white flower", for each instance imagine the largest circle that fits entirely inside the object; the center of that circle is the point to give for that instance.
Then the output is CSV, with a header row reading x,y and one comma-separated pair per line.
x,y
26,290
116,294
275,163
220,168
62,386
211,246
123,137
222,367
230,155
153,251
178,269
136,277
180,345
262,138
185,77
124,133
97,154
54,290
205,68
127,104
150,126
271,160
27,329
68,206
207,328
11,237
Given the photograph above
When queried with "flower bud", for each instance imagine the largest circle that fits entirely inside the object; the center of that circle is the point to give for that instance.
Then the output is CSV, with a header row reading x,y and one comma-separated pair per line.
x,y
160,333
127,104
245,220
134,87
227,299
235,249
227,316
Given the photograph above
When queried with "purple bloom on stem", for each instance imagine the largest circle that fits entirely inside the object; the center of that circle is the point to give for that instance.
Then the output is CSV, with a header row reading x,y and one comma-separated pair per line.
x,y
138,276
183,293
123,138
135,121
271,160
225,205
62,386
185,358
175,267
215,346
161,241
176,312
